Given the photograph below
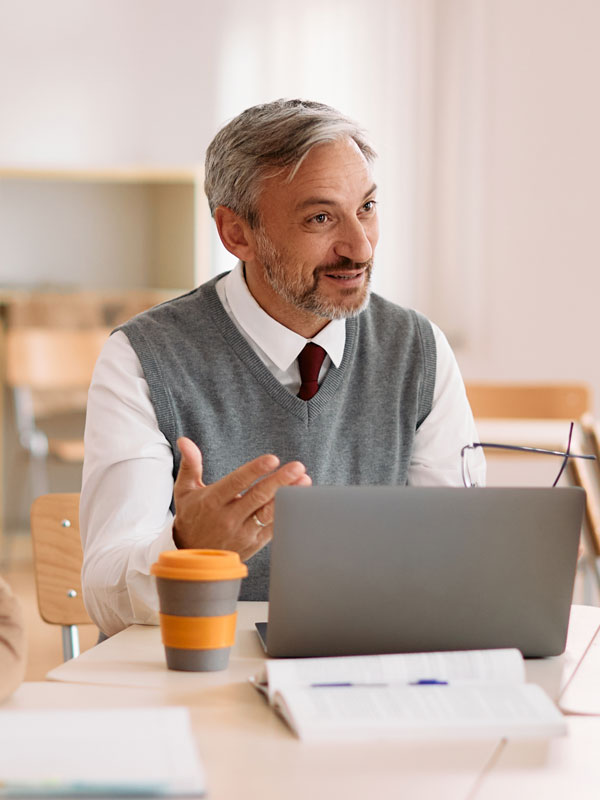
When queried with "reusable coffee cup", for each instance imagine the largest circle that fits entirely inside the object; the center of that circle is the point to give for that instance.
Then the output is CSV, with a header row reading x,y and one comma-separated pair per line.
x,y
198,592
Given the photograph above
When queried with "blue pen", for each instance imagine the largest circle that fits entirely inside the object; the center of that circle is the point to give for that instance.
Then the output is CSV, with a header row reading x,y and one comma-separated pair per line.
x,y
423,682
343,683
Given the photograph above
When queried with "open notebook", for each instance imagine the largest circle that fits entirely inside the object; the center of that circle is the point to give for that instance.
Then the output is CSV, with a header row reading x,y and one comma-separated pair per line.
x,y
466,694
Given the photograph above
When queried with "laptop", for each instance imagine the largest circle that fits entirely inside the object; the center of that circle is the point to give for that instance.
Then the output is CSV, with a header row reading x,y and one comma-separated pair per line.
x,y
384,569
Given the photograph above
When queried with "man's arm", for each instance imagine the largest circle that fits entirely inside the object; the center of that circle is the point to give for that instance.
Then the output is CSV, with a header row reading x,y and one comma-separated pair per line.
x,y
448,427
127,484
127,488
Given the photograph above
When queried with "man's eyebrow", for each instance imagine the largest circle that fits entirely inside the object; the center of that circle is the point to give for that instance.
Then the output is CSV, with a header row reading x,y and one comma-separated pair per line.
x,y
325,201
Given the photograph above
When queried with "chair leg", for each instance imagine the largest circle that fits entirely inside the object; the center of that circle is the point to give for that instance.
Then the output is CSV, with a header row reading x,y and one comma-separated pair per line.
x,y
38,474
33,440
70,642
591,569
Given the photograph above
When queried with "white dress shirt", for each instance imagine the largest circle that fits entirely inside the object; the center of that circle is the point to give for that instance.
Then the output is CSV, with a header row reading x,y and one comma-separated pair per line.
x,y
127,482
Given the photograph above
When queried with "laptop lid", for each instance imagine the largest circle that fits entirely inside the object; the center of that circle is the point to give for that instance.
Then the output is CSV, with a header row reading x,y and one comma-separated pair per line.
x,y
380,569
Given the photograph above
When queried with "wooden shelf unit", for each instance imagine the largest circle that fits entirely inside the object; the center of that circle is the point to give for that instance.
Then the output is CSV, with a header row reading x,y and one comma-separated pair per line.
x,y
111,227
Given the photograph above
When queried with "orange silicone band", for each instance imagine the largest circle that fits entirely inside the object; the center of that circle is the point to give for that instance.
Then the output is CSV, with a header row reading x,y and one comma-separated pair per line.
x,y
198,633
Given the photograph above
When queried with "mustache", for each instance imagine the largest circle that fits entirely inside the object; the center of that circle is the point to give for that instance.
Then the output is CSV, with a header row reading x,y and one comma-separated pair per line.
x,y
344,265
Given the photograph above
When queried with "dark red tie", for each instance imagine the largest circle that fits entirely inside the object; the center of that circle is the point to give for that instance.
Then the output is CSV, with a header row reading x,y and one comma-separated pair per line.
x,y
310,361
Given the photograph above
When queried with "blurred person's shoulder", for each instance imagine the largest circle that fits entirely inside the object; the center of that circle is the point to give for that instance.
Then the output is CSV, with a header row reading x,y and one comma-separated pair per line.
x,y
12,640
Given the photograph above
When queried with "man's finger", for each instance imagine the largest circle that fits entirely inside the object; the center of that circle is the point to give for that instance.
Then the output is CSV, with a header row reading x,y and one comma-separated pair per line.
x,y
190,469
266,512
263,492
303,480
264,515
239,481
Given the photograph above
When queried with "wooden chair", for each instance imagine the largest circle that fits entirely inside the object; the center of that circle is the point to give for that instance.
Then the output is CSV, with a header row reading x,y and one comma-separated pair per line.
x,y
81,308
49,371
529,401
536,415
57,559
543,402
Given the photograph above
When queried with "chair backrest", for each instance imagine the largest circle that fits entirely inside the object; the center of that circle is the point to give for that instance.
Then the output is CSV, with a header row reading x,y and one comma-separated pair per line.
x,y
58,556
45,359
529,401
562,401
80,308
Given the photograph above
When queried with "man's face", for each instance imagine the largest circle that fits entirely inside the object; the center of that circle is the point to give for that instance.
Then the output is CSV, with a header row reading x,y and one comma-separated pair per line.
x,y
315,244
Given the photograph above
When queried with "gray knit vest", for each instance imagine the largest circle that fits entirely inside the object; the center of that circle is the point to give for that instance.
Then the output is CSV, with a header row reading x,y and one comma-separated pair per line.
x,y
207,383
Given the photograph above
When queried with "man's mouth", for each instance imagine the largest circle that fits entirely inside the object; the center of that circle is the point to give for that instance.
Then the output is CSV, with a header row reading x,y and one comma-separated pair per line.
x,y
345,276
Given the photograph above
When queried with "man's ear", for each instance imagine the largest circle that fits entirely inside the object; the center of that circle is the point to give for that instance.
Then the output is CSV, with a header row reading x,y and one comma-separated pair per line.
x,y
235,233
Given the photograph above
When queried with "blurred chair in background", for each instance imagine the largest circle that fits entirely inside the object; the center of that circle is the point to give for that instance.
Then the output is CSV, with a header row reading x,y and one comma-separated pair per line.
x,y
80,308
51,340
568,401
48,371
538,415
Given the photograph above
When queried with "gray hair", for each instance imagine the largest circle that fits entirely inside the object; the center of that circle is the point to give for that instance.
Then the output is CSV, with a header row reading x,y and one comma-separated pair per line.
x,y
264,140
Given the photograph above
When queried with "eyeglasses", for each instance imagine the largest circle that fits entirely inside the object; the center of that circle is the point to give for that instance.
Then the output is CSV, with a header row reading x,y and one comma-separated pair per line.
x,y
566,455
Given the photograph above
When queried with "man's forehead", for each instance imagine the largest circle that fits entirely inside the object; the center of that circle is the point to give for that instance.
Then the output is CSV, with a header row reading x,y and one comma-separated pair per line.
x,y
328,168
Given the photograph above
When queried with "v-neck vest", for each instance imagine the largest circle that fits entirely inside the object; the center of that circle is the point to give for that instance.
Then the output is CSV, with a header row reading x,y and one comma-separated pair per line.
x,y
207,383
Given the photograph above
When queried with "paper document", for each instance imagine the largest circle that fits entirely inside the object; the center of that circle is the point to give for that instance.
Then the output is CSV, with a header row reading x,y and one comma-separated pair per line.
x,y
416,695
126,752
582,694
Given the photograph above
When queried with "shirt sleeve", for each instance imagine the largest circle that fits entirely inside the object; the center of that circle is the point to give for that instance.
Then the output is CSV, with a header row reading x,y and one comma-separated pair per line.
x,y
12,641
436,457
127,486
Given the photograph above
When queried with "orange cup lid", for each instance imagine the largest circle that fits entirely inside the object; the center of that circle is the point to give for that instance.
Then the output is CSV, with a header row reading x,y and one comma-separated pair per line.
x,y
199,565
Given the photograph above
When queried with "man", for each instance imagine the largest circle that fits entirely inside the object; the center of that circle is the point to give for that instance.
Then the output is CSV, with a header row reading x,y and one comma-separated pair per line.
x,y
194,419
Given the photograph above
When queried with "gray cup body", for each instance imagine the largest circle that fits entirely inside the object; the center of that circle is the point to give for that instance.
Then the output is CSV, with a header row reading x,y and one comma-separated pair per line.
x,y
197,599
197,660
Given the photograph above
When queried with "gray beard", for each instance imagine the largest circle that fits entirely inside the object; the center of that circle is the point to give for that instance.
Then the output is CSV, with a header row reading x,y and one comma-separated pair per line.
x,y
307,298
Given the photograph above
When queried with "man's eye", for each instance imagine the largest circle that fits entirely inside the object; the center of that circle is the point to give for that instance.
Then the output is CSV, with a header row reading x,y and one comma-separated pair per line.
x,y
370,205
320,218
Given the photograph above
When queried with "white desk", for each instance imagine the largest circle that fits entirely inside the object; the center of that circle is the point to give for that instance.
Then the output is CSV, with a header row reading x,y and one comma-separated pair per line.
x,y
249,752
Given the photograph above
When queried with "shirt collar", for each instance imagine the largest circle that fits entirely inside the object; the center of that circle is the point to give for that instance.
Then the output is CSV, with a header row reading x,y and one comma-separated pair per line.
x,y
280,344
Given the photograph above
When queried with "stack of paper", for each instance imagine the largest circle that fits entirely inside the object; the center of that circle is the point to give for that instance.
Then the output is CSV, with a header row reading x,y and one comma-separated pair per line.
x,y
125,752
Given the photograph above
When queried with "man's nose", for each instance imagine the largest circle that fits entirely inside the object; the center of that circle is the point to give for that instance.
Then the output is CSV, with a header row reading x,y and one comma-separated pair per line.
x,y
355,243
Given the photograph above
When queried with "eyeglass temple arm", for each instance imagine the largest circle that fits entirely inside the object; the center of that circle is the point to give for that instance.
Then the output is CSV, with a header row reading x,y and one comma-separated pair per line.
x,y
524,448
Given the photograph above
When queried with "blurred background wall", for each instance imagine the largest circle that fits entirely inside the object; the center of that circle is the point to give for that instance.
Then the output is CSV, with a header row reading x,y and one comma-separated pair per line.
x,y
484,113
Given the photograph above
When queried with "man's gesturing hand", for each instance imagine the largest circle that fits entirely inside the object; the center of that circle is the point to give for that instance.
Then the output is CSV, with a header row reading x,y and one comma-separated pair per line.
x,y
221,515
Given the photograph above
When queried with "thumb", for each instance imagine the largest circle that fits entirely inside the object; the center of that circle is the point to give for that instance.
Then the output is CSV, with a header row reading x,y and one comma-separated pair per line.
x,y
190,469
